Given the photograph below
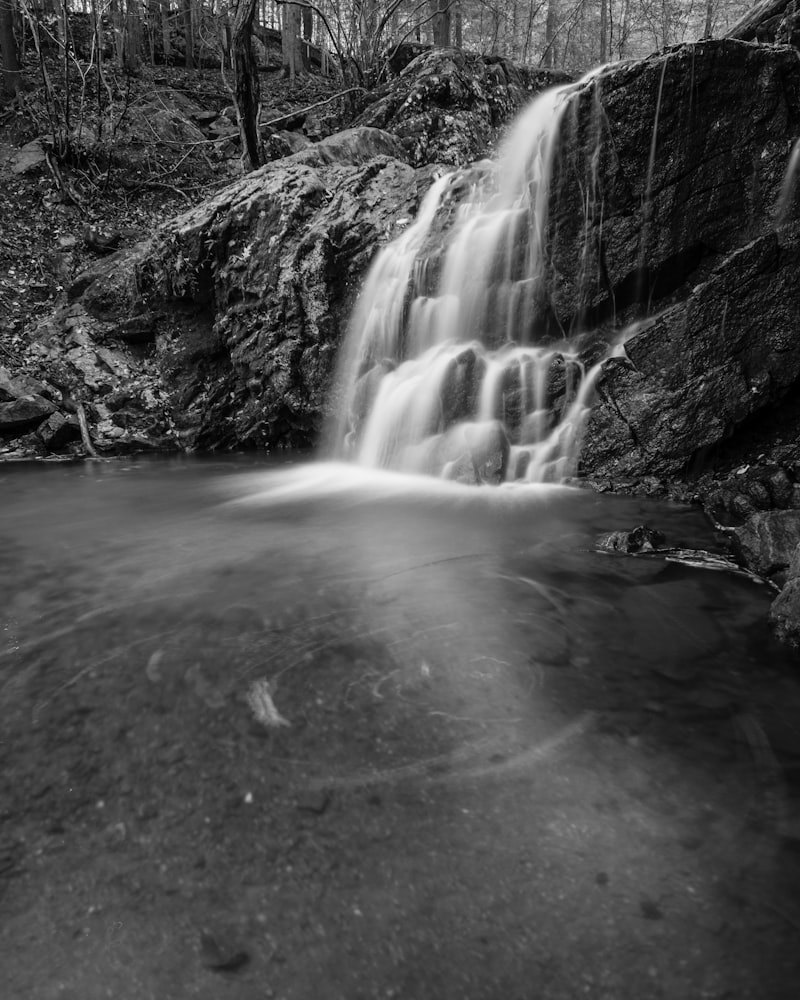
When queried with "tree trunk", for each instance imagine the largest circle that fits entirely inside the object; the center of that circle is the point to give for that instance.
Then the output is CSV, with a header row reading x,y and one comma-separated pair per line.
x,y
133,35
604,46
624,29
551,24
246,82
10,69
166,42
188,32
118,28
291,44
750,26
441,23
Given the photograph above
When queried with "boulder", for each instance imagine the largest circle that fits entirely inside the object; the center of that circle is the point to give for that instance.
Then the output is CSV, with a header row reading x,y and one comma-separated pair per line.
x,y
260,281
767,542
489,450
784,614
58,431
14,386
24,413
30,158
639,539
702,367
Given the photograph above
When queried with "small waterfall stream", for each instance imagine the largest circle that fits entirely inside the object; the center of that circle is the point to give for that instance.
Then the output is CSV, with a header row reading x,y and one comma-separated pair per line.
x,y
451,367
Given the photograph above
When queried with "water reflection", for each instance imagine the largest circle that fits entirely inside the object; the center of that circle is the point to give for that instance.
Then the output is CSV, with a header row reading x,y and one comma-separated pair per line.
x,y
511,765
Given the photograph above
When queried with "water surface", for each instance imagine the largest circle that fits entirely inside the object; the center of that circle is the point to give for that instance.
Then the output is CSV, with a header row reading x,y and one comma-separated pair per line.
x,y
493,761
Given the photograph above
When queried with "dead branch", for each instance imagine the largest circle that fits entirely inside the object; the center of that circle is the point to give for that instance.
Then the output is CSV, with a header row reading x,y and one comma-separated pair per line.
x,y
87,441
312,107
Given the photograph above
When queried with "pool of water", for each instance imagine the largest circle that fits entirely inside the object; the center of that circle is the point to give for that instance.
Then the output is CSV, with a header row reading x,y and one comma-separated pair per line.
x,y
322,731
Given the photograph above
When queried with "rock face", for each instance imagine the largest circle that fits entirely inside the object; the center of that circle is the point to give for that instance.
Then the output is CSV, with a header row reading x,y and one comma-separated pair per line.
x,y
246,297
691,214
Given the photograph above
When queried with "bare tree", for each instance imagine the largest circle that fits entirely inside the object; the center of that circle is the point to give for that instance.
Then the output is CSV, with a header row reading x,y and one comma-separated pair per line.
x,y
10,69
246,85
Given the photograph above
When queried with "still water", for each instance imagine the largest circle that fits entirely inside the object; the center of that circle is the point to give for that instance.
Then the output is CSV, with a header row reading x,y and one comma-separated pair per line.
x,y
298,730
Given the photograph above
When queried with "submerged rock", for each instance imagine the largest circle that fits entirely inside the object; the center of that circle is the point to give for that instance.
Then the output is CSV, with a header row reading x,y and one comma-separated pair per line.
x,y
640,539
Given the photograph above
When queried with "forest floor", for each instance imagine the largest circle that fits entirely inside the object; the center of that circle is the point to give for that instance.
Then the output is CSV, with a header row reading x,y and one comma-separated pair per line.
x,y
152,162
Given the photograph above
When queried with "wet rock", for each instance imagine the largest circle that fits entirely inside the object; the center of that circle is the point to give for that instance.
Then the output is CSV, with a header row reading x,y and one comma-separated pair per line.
x,y
780,486
314,801
366,390
687,389
221,955
768,540
639,539
461,386
489,450
24,413
15,386
784,614
461,469
650,909
58,431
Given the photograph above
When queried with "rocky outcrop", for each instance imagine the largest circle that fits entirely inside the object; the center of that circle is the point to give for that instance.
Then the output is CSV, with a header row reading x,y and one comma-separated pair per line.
x,y
702,368
222,329
683,212
447,105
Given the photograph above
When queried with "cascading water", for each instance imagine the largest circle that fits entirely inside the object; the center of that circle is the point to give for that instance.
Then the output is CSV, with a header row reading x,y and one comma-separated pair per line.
x,y
450,366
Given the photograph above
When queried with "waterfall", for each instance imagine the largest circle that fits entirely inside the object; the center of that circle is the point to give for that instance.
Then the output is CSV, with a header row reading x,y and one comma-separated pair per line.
x,y
450,366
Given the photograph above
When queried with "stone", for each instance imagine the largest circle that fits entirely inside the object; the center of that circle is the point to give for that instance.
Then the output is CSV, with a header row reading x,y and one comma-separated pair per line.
x,y
58,431
284,143
768,540
784,614
139,329
258,284
24,413
489,450
366,389
461,386
31,157
17,385
640,539
793,571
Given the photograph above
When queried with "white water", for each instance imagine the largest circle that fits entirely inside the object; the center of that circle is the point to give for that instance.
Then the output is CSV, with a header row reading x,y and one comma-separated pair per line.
x,y
444,371
787,188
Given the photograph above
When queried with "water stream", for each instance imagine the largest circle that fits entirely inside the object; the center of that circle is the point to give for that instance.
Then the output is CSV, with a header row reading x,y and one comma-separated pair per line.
x,y
447,369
